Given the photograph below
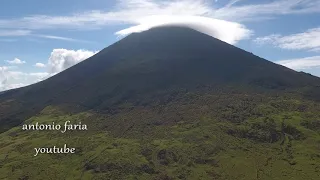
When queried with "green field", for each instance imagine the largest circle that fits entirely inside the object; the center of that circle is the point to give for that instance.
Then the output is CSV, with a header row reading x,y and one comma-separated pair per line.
x,y
192,135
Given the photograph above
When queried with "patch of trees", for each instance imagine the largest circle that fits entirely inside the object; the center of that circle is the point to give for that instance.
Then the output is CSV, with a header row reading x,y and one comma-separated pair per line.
x,y
265,131
312,124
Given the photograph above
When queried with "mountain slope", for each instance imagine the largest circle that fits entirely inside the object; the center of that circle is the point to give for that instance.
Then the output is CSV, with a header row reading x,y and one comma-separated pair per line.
x,y
154,60
168,103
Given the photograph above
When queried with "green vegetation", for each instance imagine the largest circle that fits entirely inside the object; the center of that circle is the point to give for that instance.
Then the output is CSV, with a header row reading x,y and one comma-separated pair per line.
x,y
237,137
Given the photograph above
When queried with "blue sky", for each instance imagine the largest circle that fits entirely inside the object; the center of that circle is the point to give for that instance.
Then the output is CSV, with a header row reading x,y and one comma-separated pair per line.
x,y
39,38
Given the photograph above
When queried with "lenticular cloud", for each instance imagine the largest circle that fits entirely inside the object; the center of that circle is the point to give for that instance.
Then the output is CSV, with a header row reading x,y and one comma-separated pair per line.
x,y
229,32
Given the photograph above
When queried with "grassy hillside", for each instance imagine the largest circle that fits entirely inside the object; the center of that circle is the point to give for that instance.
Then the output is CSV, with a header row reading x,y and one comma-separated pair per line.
x,y
202,134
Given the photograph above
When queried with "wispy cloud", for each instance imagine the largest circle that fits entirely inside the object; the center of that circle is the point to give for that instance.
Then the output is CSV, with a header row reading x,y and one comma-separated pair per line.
x,y
301,63
142,14
252,12
15,61
128,11
14,32
61,38
309,40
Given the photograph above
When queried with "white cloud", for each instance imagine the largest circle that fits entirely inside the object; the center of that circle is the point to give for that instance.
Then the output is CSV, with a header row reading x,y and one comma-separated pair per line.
x,y
61,38
17,75
62,59
260,11
3,68
130,10
40,65
14,32
13,79
39,75
301,63
142,14
229,32
309,40
6,33
16,61
8,78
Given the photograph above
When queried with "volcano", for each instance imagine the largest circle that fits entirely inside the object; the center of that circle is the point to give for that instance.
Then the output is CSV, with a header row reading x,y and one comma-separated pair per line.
x,y
169,90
